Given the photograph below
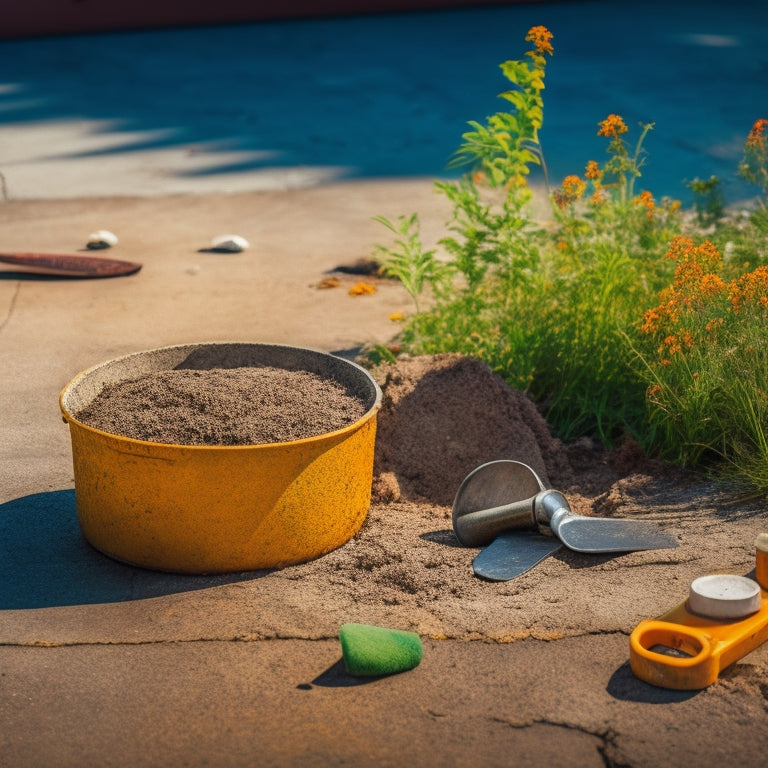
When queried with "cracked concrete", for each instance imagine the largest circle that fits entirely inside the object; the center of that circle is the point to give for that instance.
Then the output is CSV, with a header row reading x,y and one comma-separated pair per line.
x,y
483,702
104,664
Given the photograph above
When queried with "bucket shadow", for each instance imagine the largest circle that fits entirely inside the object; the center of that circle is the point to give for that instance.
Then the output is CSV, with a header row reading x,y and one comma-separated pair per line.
x,y
46,562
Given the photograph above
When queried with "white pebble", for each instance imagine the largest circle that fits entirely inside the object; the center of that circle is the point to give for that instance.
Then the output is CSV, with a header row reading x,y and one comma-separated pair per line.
x,y
231,243
101,239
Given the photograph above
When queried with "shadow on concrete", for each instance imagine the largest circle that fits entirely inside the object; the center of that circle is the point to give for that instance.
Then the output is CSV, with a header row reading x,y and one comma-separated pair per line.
x,y
336,676
624,686
45,561
390,95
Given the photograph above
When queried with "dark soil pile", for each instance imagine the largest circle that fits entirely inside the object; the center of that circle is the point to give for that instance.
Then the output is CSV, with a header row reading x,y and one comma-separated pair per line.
x,y
234,406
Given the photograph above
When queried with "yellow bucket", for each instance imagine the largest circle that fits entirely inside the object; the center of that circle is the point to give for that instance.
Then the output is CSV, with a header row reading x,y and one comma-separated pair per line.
x,y
216,509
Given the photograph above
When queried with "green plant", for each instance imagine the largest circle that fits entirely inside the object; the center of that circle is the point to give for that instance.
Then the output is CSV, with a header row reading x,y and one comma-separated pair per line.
x,y
708,200
491,264
544,306
554,305
754,163
706,365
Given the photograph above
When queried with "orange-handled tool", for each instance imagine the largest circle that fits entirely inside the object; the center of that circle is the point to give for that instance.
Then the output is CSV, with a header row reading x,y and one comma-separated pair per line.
x,y
703,644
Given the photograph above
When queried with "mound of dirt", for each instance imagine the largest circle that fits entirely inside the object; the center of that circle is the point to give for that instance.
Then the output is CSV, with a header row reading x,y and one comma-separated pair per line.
x,y
444,415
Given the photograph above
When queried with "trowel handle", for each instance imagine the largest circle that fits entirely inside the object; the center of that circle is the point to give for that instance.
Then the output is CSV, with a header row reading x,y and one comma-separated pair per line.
x,y
551,509
476,529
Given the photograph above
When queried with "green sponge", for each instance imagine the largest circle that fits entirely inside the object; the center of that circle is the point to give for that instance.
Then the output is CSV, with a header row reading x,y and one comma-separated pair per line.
x,y
372,651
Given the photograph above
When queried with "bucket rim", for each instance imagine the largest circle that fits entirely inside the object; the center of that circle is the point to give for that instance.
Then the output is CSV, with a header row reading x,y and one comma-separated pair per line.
x,y
70,419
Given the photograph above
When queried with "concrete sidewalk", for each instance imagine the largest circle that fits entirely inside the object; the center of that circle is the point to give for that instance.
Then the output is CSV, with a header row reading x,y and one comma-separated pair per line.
x,y
294,135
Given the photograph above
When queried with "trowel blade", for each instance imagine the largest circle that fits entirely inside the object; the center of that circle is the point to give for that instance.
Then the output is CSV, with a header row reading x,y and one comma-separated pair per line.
x,y
599,534
513,553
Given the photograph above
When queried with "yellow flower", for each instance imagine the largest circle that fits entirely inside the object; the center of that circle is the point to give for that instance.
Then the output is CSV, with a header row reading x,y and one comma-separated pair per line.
x,y
361,289
540,37
396,317
612,127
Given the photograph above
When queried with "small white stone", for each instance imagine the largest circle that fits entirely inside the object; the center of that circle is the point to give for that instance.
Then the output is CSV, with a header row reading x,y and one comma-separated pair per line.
x,y
230,243
101,239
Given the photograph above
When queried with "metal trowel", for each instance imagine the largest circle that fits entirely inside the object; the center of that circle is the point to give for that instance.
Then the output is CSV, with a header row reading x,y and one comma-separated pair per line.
x,y
505,505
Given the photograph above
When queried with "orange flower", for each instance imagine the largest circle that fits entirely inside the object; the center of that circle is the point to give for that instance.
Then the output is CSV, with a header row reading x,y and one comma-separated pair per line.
x,y
688,274
593,170
712,285
574,187
540,37
706,255
571,190
679,248
612,127
756,138
651,321
751,288
646,198
672,344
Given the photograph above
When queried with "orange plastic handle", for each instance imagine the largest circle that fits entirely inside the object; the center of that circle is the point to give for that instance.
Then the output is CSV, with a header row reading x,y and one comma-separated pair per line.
x,y
697,669
709,645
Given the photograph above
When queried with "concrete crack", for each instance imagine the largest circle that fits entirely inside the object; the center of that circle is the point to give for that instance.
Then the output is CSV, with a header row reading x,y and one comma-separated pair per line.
x,y
607,748
11,306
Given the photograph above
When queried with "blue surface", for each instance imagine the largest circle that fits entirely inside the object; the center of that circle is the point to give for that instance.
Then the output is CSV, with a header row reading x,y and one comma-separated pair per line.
x,y
390,95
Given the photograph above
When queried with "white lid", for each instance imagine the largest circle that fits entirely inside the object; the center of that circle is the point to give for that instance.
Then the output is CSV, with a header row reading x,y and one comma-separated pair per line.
x,y
724,596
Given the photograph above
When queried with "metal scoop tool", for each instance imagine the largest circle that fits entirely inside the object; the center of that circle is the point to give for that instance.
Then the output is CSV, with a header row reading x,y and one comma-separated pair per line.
x,y
505,505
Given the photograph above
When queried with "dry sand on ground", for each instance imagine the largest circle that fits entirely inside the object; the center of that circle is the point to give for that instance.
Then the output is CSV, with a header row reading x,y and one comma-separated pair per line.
x,y
443,416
